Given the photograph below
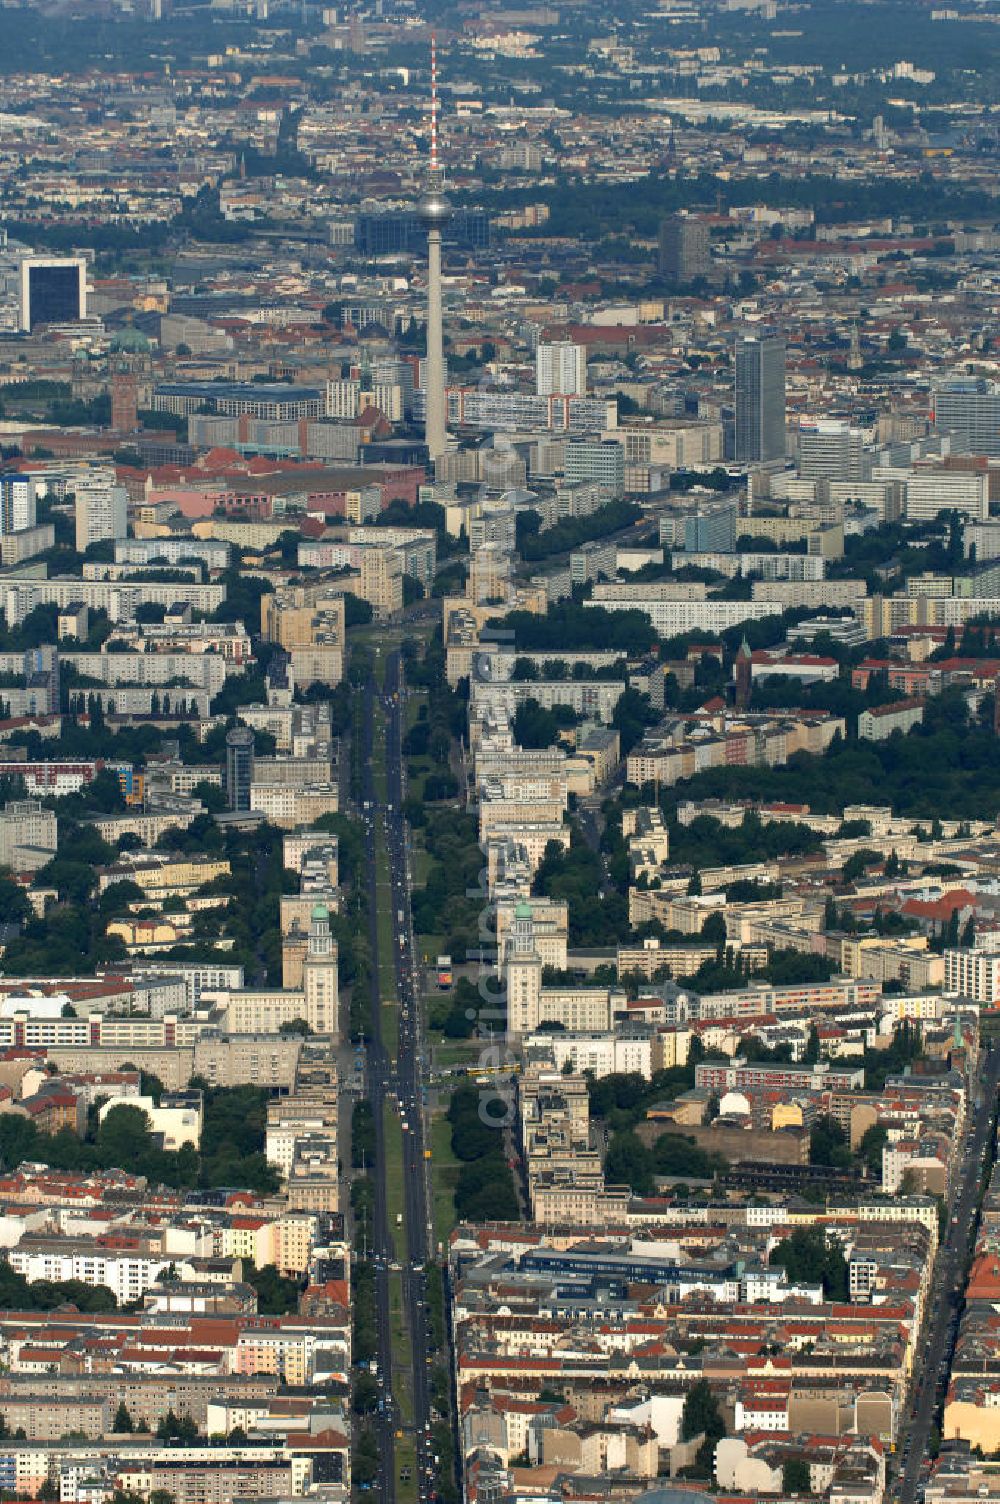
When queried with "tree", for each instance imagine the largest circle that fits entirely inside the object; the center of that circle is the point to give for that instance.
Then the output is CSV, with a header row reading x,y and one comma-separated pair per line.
x,y
357,613
211,796
714,929
276,1295
364,1398
121,1134
629,1162
633,713
701,1416
675,1154
857,865
123,1419
873,1140
828,1144
808,1258
701,1412
177,1428
536,727
694,886
796,1477
484,1191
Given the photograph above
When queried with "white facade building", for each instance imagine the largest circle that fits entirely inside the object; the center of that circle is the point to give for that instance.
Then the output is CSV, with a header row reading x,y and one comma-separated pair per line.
x,y
101,512
561,368
973,973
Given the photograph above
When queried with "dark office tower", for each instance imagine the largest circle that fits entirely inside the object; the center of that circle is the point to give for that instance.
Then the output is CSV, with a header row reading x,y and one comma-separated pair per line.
x,y
53,290
239,766
760,397
684,253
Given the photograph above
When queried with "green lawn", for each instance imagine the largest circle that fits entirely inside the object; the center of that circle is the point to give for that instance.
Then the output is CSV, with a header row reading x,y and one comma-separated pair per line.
x,y
429,947
444,1177
406,1458
402,1350
378,753
452,1052
386,946
394,1177
421,860
414,700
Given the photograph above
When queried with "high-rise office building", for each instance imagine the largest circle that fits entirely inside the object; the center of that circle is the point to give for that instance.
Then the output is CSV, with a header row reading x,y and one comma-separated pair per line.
x,y
17,504
969,408
931,491
684,252
760,397
320,975
435,212
711,528
53,290
602,460
389,232
832,451
39,289
239,767
561,369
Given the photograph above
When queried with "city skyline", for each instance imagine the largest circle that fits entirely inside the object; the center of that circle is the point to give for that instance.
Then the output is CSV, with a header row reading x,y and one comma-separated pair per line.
x,y
499,753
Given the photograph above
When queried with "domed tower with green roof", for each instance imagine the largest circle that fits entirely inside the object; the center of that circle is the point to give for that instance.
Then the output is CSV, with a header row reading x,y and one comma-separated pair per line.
x,y
129,341
128,359
128,363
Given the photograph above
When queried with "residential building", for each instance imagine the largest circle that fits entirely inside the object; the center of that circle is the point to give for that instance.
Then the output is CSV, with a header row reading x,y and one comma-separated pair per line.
x,y
684,252
101,512
878,724
27,835
561,369
17,503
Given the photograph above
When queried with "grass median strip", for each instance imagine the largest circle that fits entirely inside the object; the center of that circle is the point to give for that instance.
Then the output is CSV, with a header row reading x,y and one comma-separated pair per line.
x,y
395,1202
444,1177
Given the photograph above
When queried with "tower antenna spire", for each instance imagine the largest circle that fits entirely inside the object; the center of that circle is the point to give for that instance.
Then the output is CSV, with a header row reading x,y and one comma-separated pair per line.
x,y
434,104
434,211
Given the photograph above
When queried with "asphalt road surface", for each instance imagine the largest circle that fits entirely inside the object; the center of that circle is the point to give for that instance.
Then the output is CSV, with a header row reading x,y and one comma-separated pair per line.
x,y
409,1079
934,1360
400,1083
378,1073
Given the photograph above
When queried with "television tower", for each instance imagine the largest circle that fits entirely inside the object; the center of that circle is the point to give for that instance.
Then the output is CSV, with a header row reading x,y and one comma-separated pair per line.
x,y
435,212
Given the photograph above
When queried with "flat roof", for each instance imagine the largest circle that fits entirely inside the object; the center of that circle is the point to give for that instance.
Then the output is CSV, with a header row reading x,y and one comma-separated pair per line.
x,y
276,391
